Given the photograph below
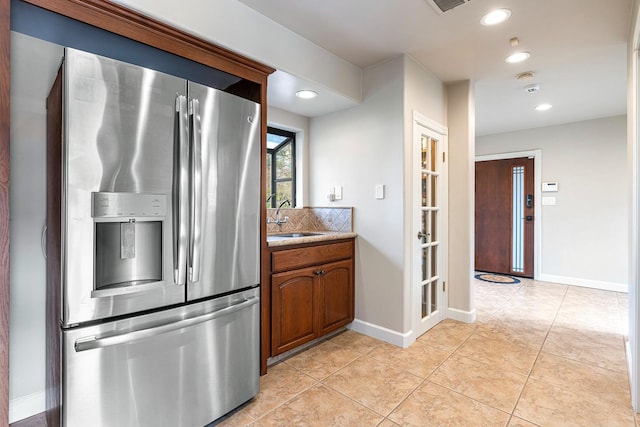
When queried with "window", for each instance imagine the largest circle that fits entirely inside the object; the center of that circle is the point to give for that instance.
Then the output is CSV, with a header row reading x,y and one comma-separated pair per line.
x,y
281,167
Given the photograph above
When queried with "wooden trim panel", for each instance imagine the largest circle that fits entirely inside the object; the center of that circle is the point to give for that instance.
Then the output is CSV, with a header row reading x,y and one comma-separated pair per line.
x,y
126,22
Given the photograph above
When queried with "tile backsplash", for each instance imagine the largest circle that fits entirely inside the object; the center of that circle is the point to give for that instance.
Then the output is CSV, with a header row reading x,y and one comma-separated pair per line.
x,y
312,219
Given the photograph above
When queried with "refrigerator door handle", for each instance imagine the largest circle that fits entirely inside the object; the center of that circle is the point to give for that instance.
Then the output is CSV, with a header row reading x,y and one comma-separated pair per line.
x,y
92,342
196,192
181,192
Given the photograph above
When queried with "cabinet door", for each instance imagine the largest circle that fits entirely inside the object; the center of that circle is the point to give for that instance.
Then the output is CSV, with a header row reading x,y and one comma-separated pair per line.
x,y
335,296
293,316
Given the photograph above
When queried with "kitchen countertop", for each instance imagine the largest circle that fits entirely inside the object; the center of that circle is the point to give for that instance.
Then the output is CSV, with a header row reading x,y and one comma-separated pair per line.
x,y
321,236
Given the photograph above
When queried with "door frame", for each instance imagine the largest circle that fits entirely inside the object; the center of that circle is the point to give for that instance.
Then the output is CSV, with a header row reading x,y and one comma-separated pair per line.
x,y
442,132
537,198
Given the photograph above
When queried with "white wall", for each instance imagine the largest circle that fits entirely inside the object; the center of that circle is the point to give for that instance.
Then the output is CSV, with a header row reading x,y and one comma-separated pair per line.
x,y
357,149
300,125
461,116
26,220
234,25
584,237
633,162
426,94
368,145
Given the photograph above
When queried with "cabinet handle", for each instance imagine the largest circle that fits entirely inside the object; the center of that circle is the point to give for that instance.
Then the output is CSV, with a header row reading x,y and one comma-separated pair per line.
x,y
319,272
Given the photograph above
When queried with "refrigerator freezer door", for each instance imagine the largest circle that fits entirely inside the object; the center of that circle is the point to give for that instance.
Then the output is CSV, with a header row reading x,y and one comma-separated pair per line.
x,y
119,122
183,367
225,233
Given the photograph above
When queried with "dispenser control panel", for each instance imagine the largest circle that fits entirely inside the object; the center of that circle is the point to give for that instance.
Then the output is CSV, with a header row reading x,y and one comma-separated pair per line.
x,y
115,205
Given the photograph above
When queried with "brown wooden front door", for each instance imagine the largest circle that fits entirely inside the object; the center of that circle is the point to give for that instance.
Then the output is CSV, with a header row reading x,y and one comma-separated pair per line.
x,y
504,216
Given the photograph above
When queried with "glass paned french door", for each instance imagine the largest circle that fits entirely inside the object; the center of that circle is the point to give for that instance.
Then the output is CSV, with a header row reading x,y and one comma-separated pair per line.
x,y
428,236
429,220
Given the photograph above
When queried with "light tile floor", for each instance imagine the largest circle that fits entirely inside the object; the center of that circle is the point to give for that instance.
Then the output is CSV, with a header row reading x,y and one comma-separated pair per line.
x,y
540,354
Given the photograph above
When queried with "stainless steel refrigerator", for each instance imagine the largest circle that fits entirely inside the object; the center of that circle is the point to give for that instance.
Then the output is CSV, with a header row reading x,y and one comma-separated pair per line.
x,y
159,247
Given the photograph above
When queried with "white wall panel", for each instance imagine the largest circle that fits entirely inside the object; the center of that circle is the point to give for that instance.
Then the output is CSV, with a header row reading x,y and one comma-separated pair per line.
x,y
584,236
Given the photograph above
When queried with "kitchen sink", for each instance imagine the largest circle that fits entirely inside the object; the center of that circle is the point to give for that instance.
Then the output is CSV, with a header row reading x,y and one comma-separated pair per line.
x,y
284,236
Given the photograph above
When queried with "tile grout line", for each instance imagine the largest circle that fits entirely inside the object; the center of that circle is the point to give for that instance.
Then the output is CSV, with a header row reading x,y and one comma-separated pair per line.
x,y
554,322
315,383
462,394
322,381
536,359
430,374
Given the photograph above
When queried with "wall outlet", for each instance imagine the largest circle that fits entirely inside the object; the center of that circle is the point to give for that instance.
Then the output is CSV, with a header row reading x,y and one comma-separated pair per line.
x,y
338,192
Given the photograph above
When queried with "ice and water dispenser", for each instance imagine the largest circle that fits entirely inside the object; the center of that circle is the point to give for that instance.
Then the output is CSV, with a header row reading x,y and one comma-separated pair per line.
x,y
128,241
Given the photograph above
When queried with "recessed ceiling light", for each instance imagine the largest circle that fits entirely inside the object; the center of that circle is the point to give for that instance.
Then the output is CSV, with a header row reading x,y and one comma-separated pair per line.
x,y
543,107
306,94
495,17
518,57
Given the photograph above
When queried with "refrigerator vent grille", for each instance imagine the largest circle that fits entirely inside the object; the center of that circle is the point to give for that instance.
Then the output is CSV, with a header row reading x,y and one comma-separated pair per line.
x,y
442,6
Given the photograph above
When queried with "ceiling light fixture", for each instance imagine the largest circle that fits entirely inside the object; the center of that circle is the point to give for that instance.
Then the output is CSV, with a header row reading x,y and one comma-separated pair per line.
x,y
306,94
495,17
543,107
517,57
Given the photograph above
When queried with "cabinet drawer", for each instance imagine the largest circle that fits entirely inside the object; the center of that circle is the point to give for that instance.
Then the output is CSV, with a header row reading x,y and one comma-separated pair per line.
x,y
290,259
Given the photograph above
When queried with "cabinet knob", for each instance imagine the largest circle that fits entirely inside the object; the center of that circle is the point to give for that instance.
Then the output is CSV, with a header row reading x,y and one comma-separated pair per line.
x,y
319,272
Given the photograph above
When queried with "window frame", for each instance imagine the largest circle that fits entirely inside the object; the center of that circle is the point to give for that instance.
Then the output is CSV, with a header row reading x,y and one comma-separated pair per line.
x,y
291,139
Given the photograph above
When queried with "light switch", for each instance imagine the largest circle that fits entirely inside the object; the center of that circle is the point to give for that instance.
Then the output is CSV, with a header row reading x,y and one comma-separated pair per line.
x,y
380,191
548,201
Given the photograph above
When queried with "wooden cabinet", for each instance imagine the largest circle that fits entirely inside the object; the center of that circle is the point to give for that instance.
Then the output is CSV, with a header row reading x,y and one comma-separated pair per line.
x,y
294,317
335,296
312,293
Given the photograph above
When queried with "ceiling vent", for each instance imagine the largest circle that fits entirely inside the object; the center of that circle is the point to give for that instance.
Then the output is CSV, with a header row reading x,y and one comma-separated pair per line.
x,y
442,6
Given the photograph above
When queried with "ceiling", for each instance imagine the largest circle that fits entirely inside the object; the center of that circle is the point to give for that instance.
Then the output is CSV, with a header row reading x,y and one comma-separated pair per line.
x,y
578,53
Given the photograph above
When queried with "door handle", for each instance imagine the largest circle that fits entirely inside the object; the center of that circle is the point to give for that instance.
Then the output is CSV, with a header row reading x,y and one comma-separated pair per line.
x,y
196,188
43,241
181,192
92,342
423,235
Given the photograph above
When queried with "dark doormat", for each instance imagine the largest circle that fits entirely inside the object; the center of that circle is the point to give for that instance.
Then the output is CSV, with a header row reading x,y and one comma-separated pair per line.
x,y
497,278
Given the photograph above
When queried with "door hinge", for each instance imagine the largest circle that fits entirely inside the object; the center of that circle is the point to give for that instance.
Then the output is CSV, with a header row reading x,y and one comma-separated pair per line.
x,y
444,156
444,286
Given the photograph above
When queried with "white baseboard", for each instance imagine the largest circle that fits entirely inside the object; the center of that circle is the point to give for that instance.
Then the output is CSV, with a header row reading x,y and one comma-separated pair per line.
x,y
461,315
381,333
586,283
27,406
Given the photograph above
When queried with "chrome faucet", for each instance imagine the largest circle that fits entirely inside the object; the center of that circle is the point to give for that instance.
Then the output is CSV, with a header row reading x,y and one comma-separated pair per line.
x,y
269,198
277,220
